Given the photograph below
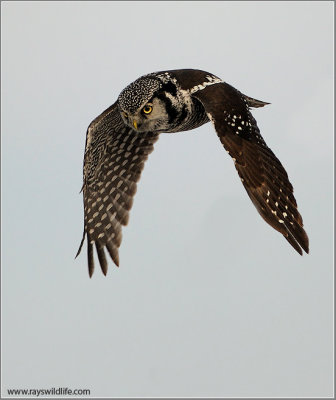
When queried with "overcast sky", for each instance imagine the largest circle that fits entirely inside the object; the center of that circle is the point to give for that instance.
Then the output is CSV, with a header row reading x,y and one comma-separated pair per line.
x,y
209,300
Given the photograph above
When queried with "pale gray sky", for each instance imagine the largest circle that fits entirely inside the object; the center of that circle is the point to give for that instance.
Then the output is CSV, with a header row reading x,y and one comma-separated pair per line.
x,y
208,300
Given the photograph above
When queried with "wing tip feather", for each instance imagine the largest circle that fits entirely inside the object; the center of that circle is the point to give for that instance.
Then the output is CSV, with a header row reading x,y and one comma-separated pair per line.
x,y
90,258
102,258
113,250
299,243
80,246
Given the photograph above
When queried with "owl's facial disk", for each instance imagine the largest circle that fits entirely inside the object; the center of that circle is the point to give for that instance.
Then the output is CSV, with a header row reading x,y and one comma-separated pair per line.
x,y
151,117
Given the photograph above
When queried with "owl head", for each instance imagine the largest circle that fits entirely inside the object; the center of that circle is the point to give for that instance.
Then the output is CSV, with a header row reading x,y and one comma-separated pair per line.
x,y
145,106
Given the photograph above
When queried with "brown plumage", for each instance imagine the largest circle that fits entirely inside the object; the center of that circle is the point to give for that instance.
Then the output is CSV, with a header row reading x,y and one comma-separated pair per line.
x,y
119,141
260,171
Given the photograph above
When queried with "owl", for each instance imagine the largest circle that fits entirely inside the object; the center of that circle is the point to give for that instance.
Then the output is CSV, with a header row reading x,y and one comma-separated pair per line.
x,y
120,139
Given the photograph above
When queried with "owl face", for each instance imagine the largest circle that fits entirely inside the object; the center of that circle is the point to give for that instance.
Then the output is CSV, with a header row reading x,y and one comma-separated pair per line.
x,y
144,105
151,116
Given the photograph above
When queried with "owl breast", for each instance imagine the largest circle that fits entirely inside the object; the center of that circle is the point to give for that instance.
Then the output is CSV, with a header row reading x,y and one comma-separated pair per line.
x,y
196,118
188,115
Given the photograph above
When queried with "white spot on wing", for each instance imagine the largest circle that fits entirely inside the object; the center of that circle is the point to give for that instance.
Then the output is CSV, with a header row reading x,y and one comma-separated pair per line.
x,y
210,117
211,81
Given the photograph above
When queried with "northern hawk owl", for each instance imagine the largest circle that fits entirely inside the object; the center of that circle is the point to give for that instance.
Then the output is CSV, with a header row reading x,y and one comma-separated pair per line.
x,y
120,139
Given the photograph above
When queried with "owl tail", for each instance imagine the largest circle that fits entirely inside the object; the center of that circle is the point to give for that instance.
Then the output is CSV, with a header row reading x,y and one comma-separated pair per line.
x,y
254,102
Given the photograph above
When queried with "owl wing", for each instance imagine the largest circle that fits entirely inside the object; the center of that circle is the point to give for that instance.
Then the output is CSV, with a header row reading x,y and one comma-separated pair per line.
x,y
114,158
260,171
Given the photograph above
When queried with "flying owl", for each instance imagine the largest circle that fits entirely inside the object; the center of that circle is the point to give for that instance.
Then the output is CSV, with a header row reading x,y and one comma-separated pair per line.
x,y
120,139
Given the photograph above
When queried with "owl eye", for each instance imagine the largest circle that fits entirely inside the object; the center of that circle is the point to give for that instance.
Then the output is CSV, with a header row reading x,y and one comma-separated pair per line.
x,y
147,109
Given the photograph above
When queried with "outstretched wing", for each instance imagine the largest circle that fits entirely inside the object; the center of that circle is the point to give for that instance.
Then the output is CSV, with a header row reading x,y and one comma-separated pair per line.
x,y
261,173
114,158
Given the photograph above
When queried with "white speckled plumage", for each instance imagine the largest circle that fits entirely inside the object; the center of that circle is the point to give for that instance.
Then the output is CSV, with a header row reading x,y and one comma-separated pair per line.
x,y
119,141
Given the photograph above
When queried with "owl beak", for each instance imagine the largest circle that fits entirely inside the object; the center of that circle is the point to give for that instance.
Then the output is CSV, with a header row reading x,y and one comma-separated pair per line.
x,y
135,124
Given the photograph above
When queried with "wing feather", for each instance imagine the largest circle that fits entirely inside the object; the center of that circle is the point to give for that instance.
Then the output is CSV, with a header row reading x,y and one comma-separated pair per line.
x,y
262,174
114,159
